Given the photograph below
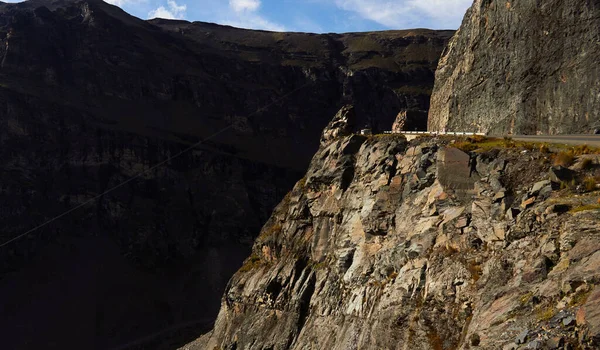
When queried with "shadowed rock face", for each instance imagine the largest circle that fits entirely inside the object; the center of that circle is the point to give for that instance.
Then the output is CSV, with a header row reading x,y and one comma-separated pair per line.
x,y
521,67
90,96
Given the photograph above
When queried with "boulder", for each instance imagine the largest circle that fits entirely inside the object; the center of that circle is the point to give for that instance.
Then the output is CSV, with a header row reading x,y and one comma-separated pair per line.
x,y
560,174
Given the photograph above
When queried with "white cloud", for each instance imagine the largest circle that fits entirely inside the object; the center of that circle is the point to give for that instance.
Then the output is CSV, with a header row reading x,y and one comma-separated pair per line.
x,y
244,5
409,13
245,14
173,11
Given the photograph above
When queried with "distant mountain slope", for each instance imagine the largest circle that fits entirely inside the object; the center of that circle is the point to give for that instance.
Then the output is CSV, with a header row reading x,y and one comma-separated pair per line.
x,y
91,96
523,67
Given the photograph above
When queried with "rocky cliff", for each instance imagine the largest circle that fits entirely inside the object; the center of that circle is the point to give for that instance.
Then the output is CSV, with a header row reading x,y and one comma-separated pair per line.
x,y
90,96
522,67
389,244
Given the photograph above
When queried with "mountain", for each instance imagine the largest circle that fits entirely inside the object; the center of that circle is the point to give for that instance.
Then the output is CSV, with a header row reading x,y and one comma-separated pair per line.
x,y
522,67
91,97
390,244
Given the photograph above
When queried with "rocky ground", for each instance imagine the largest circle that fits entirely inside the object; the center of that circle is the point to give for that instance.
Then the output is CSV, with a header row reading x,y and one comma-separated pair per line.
x,y
389,244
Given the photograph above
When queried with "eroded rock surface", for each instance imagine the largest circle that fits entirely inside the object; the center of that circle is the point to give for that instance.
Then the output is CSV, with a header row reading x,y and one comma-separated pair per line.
x,y
522,67
372,251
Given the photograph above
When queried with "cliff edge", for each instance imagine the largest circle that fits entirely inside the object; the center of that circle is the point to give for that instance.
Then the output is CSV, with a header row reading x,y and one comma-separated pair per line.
x,y
389,244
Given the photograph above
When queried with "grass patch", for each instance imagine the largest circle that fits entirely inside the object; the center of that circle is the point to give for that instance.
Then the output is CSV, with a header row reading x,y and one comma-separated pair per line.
x,y
590,183
252,263
580,298
585,208
319,265
546,313
526,298
564,158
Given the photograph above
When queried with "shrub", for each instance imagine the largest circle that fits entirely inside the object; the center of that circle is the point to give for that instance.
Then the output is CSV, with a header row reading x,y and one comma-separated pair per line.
x,y
589,183
544,148
545,314
564,159
580,298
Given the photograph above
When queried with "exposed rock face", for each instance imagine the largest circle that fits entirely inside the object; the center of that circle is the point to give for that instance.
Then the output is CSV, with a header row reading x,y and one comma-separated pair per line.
x,y
372,251
410,121
90,97
343,124
521,67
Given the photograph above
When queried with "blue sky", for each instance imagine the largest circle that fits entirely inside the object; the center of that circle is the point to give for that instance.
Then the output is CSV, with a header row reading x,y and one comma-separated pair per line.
x,y
317,16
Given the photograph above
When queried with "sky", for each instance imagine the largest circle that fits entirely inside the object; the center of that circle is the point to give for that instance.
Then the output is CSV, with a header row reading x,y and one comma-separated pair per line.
x,y
316,16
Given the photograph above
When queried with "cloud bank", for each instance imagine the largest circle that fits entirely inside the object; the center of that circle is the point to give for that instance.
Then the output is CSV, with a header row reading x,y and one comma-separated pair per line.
x,y
172,11
246,14
409,13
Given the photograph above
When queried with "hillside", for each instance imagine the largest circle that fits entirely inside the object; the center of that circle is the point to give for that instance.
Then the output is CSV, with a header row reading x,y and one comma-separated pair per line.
x,y
389,244
91,96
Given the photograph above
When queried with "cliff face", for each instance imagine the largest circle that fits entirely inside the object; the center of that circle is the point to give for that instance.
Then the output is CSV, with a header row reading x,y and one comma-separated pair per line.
x,y
387,244
521,67
90,96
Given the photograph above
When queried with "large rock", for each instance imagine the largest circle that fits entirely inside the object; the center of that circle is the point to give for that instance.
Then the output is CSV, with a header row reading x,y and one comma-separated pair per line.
x,y
456,170
522,67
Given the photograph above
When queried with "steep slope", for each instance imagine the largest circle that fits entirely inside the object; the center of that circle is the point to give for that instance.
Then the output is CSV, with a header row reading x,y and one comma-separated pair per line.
x,y
523,67
90,96
387,244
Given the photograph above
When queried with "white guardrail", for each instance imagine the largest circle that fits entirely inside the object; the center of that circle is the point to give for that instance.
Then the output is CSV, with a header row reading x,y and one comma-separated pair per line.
x,y
453,133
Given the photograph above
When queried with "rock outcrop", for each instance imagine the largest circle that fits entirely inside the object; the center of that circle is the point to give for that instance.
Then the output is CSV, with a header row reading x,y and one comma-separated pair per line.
x,y
377,249
410,120
91,96
522,67
342,124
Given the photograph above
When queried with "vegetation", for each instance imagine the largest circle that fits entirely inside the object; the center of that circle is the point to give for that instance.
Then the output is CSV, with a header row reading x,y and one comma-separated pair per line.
x,y
253,262
590,183
566,154
526,298
585,208
580,298
270,231
564,159
544,314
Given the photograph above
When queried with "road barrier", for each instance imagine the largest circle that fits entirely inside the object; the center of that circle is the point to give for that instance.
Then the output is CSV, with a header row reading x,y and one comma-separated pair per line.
x,y
436,133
